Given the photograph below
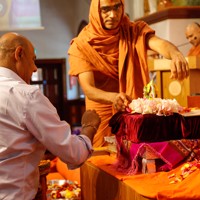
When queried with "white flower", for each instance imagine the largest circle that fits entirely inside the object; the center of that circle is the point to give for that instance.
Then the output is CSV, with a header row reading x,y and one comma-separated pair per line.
x,y
156,106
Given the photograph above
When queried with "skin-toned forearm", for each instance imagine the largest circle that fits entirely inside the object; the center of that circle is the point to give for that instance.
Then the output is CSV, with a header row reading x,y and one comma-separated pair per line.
x,y
87,83
90,122
89,131
163,47
99,95
119,100
179,66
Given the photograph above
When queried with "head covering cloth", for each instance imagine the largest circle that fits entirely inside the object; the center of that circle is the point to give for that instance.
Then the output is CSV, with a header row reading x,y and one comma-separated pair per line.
x,y
119,53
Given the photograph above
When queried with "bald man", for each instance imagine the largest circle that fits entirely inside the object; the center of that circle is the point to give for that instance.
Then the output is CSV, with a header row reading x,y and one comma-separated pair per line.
x,y
193,35
29,124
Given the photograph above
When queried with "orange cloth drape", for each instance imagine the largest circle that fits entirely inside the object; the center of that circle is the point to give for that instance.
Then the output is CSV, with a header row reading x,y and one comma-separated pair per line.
x,y
59,170
194,51
120,54
155,185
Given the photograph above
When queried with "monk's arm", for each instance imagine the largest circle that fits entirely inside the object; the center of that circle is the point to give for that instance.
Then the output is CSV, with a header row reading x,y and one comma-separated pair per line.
x,y
119,100
179,65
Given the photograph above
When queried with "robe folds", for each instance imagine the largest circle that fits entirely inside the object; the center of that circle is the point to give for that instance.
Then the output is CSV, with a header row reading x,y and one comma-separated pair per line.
x,y
194,51
120,54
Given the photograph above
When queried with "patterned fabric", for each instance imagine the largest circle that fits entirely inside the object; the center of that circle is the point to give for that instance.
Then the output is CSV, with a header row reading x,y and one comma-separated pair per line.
x,y
168,153
167,139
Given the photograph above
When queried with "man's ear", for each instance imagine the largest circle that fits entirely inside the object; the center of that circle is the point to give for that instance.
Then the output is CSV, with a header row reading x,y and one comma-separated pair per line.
x,y
18,53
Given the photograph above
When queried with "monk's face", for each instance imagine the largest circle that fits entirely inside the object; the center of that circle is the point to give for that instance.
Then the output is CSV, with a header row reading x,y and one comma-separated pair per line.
x,y
193,35
110,13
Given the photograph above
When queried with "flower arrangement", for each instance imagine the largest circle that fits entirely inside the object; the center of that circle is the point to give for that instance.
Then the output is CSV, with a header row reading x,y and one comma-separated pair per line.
x,y
149,104
156,106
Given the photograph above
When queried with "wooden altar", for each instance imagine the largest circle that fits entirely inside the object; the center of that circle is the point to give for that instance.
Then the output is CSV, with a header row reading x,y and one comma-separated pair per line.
x,y
101,181
98,184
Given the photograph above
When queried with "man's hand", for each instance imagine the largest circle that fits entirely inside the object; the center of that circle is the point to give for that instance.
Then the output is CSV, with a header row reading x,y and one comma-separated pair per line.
x,y
179,67
90,117
90,123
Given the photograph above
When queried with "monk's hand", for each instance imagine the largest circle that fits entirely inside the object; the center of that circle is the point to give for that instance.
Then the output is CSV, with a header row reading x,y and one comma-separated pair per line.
x,y
179,67
121,101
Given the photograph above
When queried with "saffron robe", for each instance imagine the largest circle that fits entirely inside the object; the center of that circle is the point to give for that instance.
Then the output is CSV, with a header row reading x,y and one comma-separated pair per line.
x,y
194,51
119,55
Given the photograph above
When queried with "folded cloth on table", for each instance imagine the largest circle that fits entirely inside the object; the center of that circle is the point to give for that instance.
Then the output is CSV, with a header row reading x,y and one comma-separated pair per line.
x,y
169,154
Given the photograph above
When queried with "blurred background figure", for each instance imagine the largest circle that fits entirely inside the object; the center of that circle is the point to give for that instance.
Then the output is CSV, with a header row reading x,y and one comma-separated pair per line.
x,y
193,35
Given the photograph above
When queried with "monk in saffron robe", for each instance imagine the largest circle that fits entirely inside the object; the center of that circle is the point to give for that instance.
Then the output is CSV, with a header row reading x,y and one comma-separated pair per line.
x,y
109,57
193,35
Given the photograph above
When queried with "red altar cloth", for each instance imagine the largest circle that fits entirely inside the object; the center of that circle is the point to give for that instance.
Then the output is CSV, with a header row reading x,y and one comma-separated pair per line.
x,y
156,185
152,128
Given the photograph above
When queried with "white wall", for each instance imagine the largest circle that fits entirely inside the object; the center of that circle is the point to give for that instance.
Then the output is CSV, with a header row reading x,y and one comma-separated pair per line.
x,y
60,19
